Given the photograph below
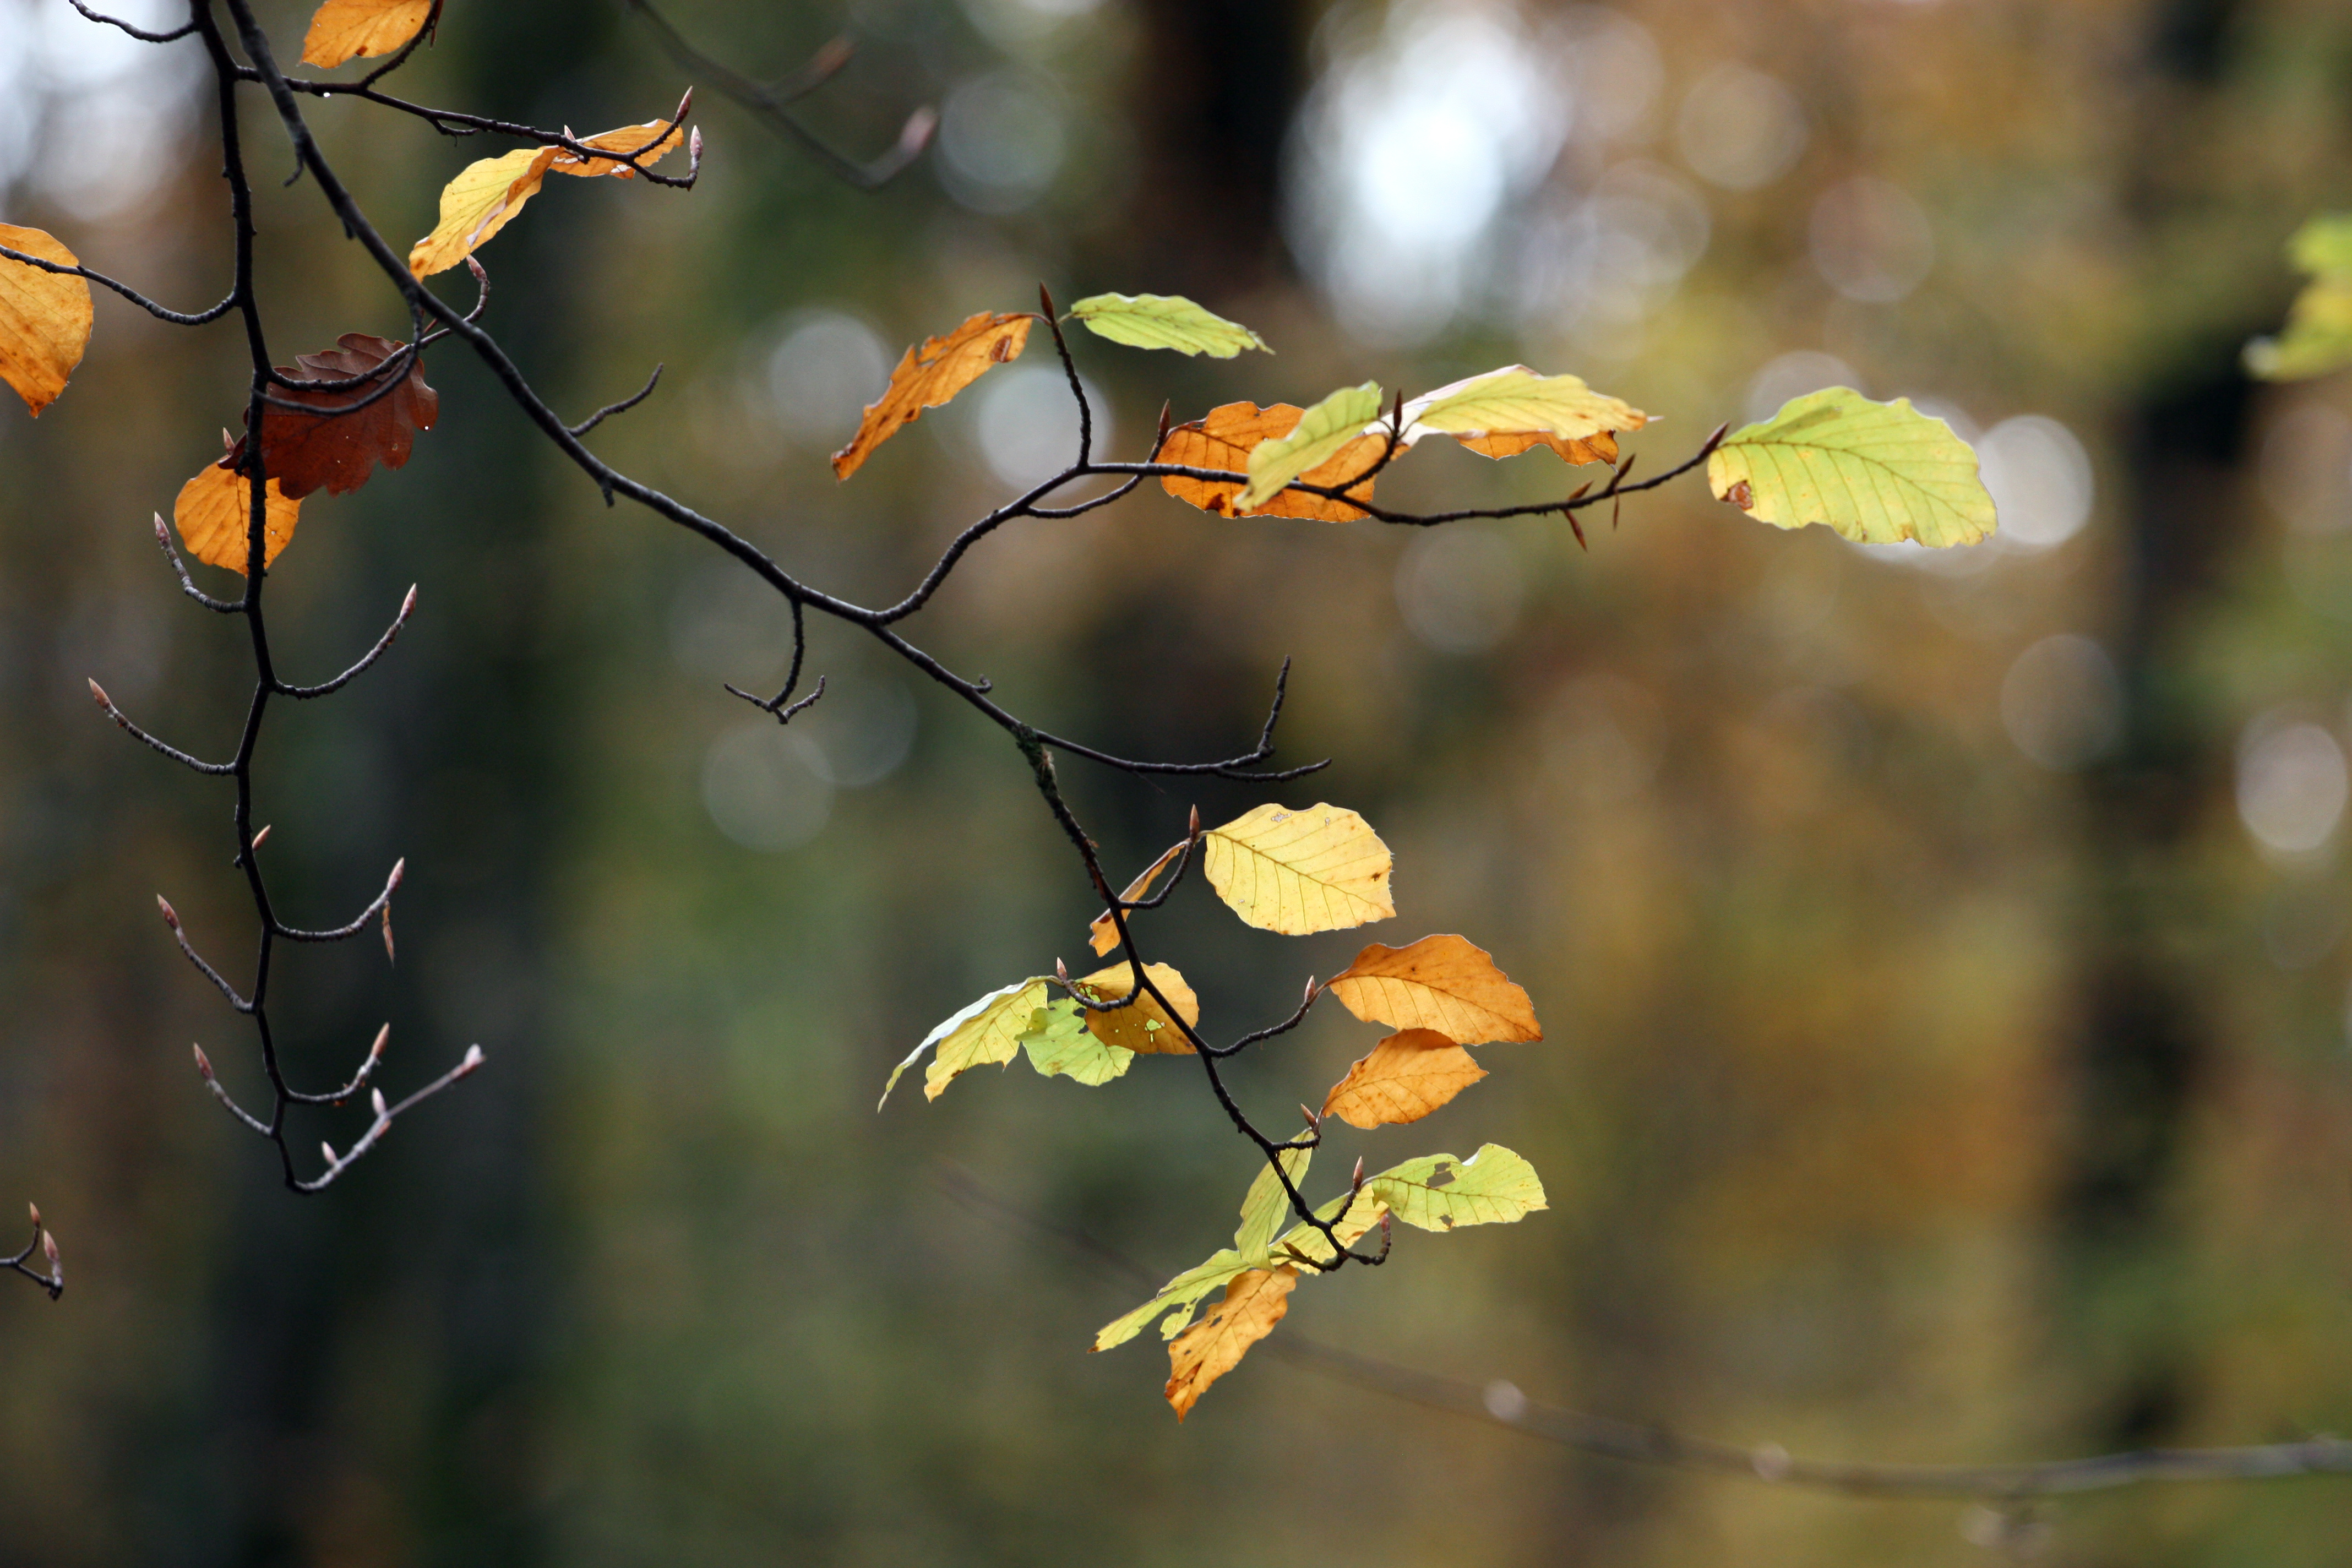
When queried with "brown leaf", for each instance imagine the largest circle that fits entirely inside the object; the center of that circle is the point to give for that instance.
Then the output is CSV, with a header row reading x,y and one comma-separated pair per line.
x,y
44,318
302,452
932,374
1598,448
1440,982
1103,935
662,136
1130,1028
1407,1076
214,510
1213,1347
344,29
1224,440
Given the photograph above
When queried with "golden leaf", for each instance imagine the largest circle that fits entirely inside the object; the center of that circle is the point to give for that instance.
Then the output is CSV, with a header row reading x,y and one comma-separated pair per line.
x,y
930,375
987,1033
1224,440
344,29
1440,982
1303,1240
663,136
1103,935
1133,1028
216,508
1408,1075
44,318
478,203
1601,447
1502,413
1323,868
1254,1303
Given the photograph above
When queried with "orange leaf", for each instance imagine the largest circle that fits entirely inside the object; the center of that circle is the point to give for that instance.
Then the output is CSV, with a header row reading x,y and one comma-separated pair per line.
x,y
335,448
1598,448
662,136
1103,935
1407,1076
216,508
929,375
44,318
1213,1347
478,203
342,29
1440,982
1130,1028
1224,440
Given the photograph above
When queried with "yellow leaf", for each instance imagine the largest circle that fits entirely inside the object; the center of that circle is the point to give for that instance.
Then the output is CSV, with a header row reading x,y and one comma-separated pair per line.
x,y
1440,982
1408,1075
1254,1303
1303,1240
1145,1027
1878,473
214,510
1103,935
344,29
44,318
663,136
1598,448
1266,1204
986,1033
1224,440
478,203
1442,1191
1323,868
1502,413
932,374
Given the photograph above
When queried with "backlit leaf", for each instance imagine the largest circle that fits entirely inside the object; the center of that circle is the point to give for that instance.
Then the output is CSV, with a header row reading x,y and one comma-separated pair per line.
x,y
303,452
1440,1191
2318,336
988,1031
1266,1205
1225,439
1143,1026
44,318
1878,473
346,29
478,203
932,374
1254,1301
1505,412
214,510
1441,983
1179,1293
1103,935
652,141
1323,868
1164,322
1408,1075
1060,1045
1323,432
1304,1242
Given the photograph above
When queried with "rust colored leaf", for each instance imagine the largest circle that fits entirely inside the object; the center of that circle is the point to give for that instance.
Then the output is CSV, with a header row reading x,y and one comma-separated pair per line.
x,y
346,29
1213,1347
1224,438
1441,983
1407,1076
338,450
1598,448
44,318
929,374
651,141
1103,935
1144,1028
214,510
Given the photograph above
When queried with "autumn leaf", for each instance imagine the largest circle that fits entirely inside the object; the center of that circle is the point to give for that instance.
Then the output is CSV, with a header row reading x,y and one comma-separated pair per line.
x,y
649,143
986,1033
1440,1191
1265,1206
1060,1045
1295,872
1878,473
216,508
1164,322
1254,1301
1103,935
2318,336
1441,983
345,29
1408,1075
1225,439
1144,1026
1179,1295
1323,432
932,374
478,203
338,450
44,318
1304,1242
1502,413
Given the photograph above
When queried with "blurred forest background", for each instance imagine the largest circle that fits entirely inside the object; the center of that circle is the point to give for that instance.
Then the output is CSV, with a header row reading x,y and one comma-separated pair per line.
x,y
1944,959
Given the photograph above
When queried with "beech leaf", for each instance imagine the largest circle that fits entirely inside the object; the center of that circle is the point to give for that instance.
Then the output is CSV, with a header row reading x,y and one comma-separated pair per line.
x,y
1295,872
1225,440
478,203
987,1032
1408,1075
345,29
1440,1191
1323,432
1103,934
1164,322
1060,1044
1443,983
929,374
1254,1301
1144,1026
214,510
1502,413
2318,336
1305,1242
1265,1206
338,450
1178,1294
1878,473
45,318
649,143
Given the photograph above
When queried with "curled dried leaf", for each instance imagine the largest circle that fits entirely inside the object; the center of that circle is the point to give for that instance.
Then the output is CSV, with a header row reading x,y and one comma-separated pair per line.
x,y
354,428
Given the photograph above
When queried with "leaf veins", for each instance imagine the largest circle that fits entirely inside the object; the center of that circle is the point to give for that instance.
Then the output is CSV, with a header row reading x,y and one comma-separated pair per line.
x,y
356,428
44,318
929,374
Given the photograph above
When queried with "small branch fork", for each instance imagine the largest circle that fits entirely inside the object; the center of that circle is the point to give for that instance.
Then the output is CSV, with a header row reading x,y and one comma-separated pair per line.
x,y
44,1242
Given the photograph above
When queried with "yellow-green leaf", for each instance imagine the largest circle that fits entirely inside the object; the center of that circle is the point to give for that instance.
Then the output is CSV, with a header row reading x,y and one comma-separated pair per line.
x,y
1303,1243
2318,336
1878,473
1322,433
478,203
1164,322
1178,1294
987,1032
1516,401
1060,1045
1295,872
1266,1205
1440,1191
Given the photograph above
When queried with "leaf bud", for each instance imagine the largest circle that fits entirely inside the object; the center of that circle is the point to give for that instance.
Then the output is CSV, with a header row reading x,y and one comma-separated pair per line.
x,y
163,534
261,836
375,1101
1314,1118
473,1059
1356,1182
98,695
329,1150
1194,830
375,1051
203,1062
399,870
408,604
1310,990
36,1214
389,956
171,915
49,1249
1061,971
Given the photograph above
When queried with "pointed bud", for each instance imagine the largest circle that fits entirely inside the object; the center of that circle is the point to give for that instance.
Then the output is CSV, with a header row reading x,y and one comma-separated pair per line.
x,y
329,1150
162,534
36,1214
1061,971
203,1062
375,1101
1310,990
389,956
228,442
171,915
375,1051
685,106
473,1059
399,870
49,1249
98,695
261,837
1356,1182
1195,830
1314,1118
694,149
408,604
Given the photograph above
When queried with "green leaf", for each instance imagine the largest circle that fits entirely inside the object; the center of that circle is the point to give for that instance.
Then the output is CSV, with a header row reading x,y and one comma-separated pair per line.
x,y
987,1032
1184,1291
2318,336
1515,400
2323,246
1319,437
1060,1044
1440,1191
1265,1206
1878,473
1164,322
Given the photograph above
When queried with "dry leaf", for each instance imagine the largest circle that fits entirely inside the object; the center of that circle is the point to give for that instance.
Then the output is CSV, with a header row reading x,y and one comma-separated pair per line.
x,y
1598,448
478,203
663,136
1440,982
1407,1076
1323,868
1132,1028
44,318
1103,935
1224,440
932,374
345,29
303,452
1254,1303
216,508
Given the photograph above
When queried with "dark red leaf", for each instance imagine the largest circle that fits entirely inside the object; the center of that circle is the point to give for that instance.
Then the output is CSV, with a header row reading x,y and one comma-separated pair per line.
x,y
337,450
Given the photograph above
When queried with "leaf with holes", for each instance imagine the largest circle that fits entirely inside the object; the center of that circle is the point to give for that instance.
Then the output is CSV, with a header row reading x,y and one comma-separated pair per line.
x,y
1408,1075
1143,1025
1103,934
45,318
1295,872
1164,322
1225,439
214,513
482,200
987,1033
1444,982
1440,1191
929,375
1322,433
346,29
1878,473
1255,1302
356,428
1505,412
1061,1045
